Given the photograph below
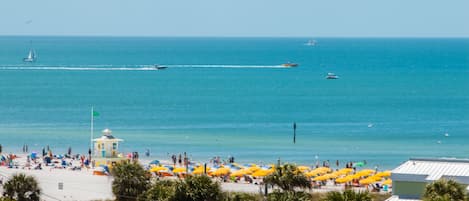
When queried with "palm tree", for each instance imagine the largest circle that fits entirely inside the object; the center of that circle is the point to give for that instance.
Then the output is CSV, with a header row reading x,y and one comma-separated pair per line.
x,y
348,195
287,177
22,188
443,190
195,188
130,181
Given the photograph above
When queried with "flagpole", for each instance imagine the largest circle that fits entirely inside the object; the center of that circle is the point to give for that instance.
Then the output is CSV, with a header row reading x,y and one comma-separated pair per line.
x,y
91,138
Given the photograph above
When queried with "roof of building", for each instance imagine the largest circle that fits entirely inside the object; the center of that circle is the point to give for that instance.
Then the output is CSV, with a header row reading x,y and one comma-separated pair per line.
x,y
107,135
396,198
434,169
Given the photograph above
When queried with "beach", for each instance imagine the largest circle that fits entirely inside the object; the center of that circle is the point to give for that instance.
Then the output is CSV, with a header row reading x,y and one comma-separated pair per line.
x,y
64,182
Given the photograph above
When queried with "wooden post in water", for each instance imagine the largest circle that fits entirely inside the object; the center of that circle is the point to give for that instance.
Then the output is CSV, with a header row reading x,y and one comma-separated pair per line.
x,y
294,132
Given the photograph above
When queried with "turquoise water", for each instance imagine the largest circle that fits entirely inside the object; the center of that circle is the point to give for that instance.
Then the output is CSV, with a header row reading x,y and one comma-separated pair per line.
x,y
228,96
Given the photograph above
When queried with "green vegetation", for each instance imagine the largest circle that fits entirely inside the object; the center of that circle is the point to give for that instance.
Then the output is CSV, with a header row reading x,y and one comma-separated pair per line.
x,y
21,188
195,188
130,181
348,195
287,177
444,190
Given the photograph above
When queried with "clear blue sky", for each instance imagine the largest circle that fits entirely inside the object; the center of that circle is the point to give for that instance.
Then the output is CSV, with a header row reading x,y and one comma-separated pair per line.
x,y
285,18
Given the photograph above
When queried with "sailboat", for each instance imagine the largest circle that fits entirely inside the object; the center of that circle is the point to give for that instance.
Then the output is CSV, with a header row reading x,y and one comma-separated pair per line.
x,y
32,56
311,43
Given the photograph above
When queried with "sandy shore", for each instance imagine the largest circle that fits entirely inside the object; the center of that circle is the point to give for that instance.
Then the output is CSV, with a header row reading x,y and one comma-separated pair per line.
x,y
82,185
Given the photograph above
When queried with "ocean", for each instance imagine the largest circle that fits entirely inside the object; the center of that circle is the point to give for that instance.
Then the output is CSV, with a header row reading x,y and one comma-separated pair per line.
x,y
395,97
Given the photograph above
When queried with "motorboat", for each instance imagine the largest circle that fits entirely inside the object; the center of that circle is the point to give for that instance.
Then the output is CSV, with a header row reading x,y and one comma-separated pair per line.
x,y
311,43
332,76
158,67
289,65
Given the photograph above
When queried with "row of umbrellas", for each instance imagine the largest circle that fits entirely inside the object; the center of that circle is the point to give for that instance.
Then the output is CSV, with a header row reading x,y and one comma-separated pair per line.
x,y
234,169
345,175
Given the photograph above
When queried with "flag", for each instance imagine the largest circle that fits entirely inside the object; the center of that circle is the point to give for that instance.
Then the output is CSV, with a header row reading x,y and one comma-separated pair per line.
x,y
95,114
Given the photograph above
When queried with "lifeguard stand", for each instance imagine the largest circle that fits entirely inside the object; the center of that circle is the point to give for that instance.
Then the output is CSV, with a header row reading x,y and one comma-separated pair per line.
x,y
106,149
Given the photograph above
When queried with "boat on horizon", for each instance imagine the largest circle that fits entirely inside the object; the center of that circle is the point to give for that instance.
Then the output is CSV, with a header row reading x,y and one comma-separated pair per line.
x,y
32,56
311,43
332,76
289,65
158,67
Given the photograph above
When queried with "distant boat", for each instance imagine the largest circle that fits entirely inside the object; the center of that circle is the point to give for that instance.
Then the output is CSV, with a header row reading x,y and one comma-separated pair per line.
x,y
158,67
332,76
289,65
311,43
32,56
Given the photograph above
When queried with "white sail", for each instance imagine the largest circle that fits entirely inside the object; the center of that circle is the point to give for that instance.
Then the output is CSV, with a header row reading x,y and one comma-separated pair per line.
x,y
31,56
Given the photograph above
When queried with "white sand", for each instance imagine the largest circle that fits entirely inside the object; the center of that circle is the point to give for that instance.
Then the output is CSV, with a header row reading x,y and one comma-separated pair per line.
x,y
77,185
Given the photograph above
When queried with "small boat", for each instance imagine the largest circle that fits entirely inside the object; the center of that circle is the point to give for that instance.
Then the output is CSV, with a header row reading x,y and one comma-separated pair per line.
x,y
288,65
332,76
158,67
311,43
31,56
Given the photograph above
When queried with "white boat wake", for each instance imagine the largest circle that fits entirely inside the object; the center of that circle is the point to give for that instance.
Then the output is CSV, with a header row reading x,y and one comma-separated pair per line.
x,y
127,67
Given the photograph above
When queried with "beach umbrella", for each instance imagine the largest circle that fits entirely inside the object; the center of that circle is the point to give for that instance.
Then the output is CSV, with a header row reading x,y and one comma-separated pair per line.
x,y
321,178
384,174
365,172
331,176
221,171
387,182
158,168
345,179
154,162
359,164
303,168
367,181
179,170
254,168
346,170
240,173
262,173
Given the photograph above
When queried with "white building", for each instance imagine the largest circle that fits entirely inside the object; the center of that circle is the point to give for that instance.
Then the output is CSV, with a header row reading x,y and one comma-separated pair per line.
x,y
411,177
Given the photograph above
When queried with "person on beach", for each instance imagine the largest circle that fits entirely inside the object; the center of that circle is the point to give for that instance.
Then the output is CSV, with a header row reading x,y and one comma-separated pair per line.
x,y
180,160
69,151
174,158
1,148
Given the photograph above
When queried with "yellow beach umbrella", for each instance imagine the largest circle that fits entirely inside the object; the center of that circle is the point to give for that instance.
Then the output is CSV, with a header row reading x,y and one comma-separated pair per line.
x,y
238,173
262,173
365,172
221,171
254,168
179,170
303,168
384,174
367,181
158,168
198,171
345,170
387,182
321,178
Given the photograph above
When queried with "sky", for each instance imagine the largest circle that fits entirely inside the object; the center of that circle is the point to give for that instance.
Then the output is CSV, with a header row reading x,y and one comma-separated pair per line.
x,y
236,18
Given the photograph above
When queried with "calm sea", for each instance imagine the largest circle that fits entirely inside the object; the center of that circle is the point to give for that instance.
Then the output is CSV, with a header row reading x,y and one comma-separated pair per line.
x,y
395,98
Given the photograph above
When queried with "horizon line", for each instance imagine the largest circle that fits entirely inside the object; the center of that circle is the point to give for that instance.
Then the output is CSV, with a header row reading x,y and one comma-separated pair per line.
x,y
208,36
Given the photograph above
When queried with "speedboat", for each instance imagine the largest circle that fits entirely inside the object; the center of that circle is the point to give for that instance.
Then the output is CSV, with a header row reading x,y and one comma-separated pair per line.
x,y
288,65
158,67
332,76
